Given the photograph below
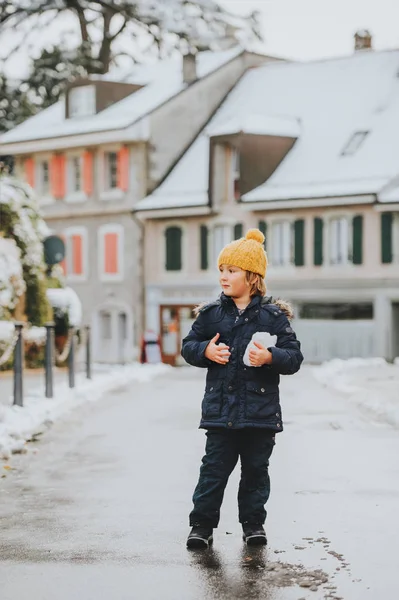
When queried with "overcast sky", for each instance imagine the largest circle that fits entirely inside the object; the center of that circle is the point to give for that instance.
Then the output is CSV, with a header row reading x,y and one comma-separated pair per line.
x,y
298,29
308,29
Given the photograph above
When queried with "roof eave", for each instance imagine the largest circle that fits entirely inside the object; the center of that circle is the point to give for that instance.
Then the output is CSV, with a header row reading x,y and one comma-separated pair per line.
x,y
323,201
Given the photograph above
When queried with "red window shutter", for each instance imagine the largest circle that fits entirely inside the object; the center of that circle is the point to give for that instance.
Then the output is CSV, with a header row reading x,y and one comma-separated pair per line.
x,y
30,171
58,175
88,173
123,168
77,257
111,266
62,175
54,176
63,264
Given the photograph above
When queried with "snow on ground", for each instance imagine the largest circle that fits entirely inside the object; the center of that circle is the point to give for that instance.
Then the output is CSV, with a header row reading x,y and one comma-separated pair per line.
x,y
20,424
372,384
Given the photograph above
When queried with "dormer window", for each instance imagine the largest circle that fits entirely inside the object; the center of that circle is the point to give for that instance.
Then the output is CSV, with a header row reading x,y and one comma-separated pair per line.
x,y
82,101
235,173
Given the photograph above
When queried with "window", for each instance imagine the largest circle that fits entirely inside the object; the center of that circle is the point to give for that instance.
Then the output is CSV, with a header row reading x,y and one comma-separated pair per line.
x,y
235,173
76,259
339,241
355,142
282,243
76,174
111,165
336,312
173,248
44,178
111,264
82,101
222,235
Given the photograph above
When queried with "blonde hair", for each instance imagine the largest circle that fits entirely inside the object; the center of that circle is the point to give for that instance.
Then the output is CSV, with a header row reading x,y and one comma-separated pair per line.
x,y
256,283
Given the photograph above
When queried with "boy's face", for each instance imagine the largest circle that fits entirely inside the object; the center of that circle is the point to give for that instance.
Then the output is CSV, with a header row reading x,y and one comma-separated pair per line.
x,y
233,281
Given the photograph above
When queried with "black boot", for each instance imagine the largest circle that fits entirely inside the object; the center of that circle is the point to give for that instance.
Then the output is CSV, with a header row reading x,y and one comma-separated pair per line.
x,y
200,537
254,534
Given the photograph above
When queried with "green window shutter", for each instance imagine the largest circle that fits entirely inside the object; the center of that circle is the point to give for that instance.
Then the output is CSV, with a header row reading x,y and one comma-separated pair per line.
x,y
238,231
358,240
173,248
386,237
299,243
318,242
262,226
204,247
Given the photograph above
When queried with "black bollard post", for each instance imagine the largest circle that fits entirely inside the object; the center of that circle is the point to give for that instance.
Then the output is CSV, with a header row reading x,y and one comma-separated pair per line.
x,y
18,366
71,359
88,353
49,359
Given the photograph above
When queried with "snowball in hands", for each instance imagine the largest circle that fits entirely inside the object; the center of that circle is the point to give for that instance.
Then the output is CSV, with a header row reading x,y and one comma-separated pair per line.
x,y
262,337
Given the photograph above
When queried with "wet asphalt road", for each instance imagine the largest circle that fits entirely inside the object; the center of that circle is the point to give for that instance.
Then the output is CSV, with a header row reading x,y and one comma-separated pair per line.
x,y
101,509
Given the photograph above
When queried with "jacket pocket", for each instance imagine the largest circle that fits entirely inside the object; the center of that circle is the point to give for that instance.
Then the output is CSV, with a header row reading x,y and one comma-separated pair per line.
x,y
261,402
213,400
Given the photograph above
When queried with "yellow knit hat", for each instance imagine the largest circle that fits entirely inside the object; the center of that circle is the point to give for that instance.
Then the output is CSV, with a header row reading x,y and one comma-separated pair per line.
x,y
247,253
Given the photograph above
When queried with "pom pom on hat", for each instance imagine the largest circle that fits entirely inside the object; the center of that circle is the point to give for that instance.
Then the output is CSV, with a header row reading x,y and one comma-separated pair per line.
x,y
247,253
255,234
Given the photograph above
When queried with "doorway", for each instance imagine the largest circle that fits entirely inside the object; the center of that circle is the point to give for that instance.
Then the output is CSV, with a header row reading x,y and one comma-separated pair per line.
x,y
175,322
112,335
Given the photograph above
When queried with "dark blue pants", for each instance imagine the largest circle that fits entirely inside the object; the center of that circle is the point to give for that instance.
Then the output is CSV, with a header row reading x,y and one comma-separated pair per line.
x,y
223,447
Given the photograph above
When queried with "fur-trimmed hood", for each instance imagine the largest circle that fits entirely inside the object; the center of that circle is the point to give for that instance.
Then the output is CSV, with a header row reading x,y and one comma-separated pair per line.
x,y
282,304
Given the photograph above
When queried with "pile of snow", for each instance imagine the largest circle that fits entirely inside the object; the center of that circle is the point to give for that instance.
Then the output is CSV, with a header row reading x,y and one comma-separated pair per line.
x,y
372,384
35,335
67,300
20,424
6,331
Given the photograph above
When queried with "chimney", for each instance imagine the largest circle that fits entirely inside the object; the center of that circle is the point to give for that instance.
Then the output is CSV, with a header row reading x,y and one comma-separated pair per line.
x,y
190,68
363,40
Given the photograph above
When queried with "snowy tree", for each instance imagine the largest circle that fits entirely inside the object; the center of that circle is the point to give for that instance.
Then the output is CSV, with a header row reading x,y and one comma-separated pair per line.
x,y
101,25
15,105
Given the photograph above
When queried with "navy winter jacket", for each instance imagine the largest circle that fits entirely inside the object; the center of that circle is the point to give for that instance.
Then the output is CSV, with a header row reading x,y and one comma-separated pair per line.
x,y
237,396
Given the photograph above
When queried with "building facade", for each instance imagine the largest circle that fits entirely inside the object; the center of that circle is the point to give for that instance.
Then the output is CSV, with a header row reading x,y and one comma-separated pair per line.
x,y
307,153
94,155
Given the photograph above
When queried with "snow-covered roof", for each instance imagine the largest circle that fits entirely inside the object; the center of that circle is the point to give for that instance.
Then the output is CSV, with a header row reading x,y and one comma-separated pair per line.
x,y
332,100
257,124
162,80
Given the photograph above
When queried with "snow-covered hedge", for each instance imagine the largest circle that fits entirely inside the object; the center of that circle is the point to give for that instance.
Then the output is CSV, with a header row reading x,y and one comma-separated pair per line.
x,y
22,224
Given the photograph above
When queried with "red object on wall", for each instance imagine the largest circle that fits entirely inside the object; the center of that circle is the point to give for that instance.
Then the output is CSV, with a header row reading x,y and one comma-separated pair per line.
x,y
123,168
58,175
30,171
88,173
77,255
111,258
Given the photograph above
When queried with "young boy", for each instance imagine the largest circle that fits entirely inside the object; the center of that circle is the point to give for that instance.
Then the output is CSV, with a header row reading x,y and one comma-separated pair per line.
x,y
241,409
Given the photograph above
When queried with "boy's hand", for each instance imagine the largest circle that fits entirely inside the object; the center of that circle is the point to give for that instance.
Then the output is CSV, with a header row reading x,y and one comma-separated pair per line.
x,y
260,356
217,353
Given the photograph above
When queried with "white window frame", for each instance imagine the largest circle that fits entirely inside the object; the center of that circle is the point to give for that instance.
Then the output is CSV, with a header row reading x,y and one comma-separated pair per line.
x,y
68,233
235,173
102,231
281,246
339,230
43,194
82,101
74,195
107,193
